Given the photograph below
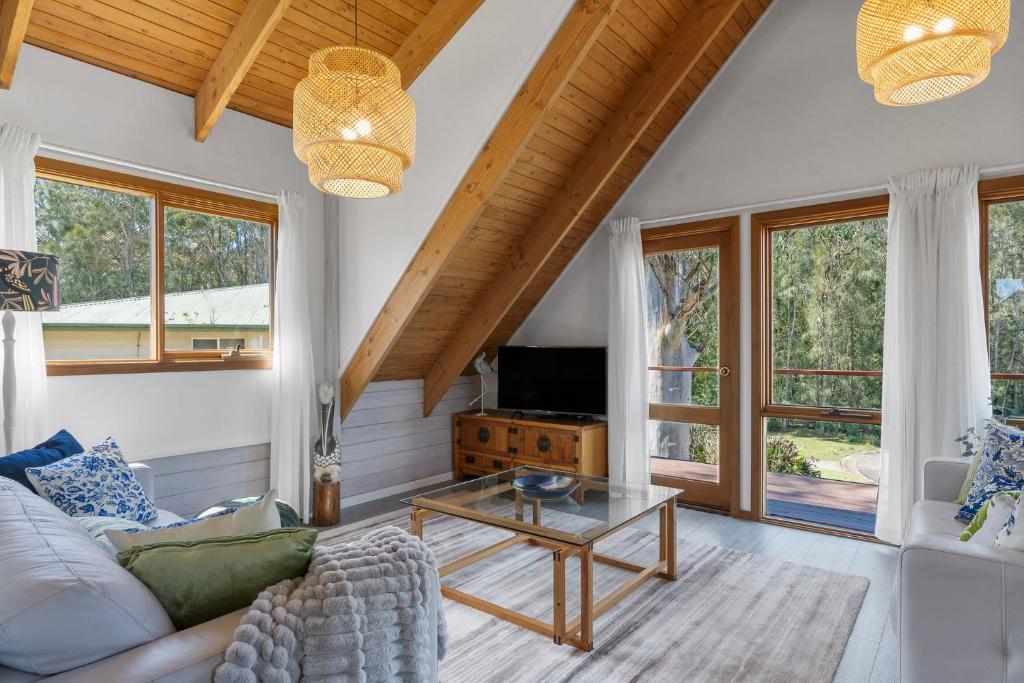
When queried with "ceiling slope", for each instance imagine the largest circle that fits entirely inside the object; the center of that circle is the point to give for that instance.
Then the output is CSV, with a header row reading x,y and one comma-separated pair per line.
x,y
175,43
552,197
542,87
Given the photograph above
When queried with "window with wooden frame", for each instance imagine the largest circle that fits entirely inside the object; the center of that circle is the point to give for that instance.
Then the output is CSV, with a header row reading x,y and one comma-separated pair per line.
x,y
818,306
1002,267
151,272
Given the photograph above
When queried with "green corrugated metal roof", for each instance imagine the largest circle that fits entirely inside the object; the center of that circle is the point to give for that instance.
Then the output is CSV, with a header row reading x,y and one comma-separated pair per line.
x,y
244,306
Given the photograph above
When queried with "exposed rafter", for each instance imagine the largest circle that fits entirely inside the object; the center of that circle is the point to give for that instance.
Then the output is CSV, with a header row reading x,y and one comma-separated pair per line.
x,y
14,16
545,83
431,35
250,34
666,73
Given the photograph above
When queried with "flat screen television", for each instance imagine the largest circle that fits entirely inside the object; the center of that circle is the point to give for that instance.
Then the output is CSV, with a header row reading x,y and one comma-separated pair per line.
x,y
570,380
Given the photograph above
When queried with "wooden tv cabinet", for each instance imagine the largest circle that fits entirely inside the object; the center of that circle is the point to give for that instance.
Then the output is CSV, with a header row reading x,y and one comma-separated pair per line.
x,y
485,444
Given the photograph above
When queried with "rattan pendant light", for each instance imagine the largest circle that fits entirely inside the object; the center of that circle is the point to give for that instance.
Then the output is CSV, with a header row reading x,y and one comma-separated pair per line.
x,y
917,51
353,125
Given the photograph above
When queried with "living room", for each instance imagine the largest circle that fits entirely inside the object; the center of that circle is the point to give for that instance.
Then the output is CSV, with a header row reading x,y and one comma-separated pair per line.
x,y
474,340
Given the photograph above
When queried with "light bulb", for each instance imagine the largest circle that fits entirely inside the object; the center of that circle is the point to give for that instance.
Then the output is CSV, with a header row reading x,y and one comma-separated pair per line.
x,y
363,127
348,134
912,33
944,25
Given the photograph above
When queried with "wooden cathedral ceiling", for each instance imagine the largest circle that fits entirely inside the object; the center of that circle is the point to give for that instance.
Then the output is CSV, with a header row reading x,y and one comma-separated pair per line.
x,y
246,55
558,161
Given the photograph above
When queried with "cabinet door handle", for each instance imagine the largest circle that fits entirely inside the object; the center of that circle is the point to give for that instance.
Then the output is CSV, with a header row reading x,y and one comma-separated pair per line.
x,y
543,443
497,464
483,435
470,458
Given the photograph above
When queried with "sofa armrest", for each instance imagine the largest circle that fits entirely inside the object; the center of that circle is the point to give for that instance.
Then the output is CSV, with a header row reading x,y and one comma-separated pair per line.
x,y
946,588
943,479
144,473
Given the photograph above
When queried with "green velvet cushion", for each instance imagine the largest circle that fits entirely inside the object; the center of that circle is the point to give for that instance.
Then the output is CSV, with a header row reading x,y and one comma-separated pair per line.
x,y
979,519
203,579
971,471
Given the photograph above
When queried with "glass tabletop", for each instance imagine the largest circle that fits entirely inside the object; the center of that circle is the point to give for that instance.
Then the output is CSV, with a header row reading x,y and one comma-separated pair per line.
x,y
560,506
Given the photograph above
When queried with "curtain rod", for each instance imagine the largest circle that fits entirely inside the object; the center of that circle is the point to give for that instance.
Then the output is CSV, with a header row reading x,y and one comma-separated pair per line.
x,y
68,151
809,198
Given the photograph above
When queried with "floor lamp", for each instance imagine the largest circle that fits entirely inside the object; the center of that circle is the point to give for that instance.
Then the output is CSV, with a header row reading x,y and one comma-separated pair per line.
x,y
29,284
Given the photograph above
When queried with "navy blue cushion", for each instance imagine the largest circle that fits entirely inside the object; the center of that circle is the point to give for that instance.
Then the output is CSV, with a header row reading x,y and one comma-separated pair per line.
x,y
59,446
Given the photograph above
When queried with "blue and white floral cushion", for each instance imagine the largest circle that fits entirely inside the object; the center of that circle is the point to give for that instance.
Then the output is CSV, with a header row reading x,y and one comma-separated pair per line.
x,y
1003,458
96,483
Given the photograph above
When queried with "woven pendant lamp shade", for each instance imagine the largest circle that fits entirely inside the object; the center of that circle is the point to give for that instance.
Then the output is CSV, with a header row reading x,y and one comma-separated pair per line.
x,y
353,125
917,51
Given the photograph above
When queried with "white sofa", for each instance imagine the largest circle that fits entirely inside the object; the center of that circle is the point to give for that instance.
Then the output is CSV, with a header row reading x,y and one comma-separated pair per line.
x,y
958,608
32,528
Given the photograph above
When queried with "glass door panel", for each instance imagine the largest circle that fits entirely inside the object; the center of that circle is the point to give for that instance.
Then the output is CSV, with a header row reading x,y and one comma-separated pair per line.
x,y
690,281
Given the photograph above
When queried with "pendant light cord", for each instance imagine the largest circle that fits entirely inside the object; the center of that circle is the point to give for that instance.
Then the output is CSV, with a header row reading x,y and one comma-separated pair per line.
x,y
356,22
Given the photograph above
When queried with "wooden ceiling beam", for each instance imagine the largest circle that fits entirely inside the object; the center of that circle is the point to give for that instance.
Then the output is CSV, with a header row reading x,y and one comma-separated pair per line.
x,y
14,16
430,36
649,94
255,25
545,83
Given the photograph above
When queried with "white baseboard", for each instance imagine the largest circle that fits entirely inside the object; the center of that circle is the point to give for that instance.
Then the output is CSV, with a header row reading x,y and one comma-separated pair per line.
x,y
392,490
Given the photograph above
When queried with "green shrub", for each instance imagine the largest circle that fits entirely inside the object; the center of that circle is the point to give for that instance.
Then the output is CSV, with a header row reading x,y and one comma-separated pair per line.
x,y
785,457
704,444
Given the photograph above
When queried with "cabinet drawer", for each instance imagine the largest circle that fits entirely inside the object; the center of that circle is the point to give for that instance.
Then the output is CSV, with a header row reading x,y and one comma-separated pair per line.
x,y
483,462
481,435
553,446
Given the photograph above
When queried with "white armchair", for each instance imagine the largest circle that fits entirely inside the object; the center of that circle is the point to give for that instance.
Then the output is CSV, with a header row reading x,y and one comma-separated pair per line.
x,y
958,608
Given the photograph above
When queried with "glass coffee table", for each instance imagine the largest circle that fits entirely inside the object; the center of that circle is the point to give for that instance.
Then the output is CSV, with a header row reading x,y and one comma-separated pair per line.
x,y
567,525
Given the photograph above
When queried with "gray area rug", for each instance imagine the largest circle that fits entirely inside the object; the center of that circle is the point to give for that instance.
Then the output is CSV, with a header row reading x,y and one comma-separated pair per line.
x,y
731,616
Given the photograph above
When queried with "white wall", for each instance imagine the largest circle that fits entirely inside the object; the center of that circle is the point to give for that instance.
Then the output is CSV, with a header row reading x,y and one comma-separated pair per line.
x,y
789,117
76,105
459,99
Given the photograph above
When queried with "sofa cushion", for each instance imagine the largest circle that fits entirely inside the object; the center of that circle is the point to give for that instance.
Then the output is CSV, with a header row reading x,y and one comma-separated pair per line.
x,y
992,517
250,519
64,602
936,518
1003,457
97,482
59,446
98,526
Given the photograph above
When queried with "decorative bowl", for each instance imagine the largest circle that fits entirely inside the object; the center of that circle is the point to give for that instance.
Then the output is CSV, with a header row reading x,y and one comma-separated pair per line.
x,y
557,488
532,481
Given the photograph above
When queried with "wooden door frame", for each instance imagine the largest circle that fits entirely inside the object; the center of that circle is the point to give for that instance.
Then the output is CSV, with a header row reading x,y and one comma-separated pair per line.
x,y
725,233
761,227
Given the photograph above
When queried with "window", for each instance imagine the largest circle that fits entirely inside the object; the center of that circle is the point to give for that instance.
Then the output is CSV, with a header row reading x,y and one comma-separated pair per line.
x,y
1002,252
820,314
153,276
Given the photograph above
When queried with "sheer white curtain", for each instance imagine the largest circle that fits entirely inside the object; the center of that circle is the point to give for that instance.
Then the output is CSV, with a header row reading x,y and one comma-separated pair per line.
x,y
291,429
627,355
935,377
18,231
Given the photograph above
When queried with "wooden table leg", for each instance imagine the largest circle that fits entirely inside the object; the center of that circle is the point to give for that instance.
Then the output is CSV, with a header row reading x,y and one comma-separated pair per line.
x,y
668,539
587,597
558,555
416,522
519,506
536,511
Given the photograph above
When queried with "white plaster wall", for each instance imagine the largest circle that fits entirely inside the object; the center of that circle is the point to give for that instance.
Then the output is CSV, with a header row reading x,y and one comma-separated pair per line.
x,y
459,99
788,117
76,105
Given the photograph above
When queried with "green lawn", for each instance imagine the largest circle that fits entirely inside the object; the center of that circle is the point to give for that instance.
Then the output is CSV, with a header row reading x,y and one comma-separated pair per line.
x,y
828,454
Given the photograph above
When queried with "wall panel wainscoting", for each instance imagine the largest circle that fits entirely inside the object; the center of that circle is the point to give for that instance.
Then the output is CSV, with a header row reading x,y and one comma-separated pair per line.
x,y
190,483
388,447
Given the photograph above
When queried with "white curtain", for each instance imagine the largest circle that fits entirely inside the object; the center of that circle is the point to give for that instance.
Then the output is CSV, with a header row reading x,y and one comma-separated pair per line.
x,y
627,355
18,231
935,377
292,414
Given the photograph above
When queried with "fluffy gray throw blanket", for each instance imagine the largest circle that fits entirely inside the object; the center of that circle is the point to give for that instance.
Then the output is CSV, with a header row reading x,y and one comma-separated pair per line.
x,y
360,614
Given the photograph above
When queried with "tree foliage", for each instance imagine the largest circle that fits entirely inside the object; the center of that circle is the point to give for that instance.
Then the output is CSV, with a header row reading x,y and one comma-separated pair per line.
x,y
103,238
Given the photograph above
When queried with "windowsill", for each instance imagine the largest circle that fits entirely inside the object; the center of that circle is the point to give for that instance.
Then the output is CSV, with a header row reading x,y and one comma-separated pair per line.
x,y
124,367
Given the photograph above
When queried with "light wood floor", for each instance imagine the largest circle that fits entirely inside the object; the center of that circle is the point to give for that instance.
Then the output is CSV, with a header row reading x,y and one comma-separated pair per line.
x,y
871,652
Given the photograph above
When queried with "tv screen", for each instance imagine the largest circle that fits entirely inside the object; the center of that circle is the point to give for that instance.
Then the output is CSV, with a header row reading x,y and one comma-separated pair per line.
x,y
556,379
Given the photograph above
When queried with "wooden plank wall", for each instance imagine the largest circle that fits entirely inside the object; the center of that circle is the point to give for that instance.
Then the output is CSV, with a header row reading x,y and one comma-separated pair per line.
x,y
386,443
190,483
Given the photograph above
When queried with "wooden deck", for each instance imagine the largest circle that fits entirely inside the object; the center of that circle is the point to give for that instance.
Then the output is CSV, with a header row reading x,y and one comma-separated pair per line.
x,y
842,504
